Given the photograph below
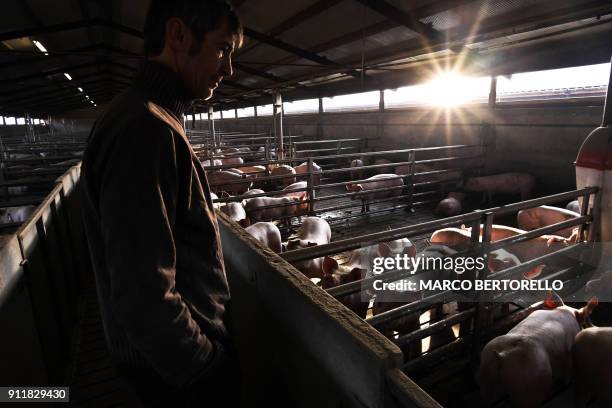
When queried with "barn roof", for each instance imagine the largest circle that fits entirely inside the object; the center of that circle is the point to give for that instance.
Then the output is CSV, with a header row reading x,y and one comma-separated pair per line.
x,y
304,48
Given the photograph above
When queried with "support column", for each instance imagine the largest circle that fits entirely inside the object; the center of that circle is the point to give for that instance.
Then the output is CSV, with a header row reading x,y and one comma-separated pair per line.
x,y
211,126
278,124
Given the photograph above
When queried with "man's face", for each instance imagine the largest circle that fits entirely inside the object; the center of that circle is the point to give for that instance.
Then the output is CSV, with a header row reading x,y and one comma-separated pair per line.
x,y
203,70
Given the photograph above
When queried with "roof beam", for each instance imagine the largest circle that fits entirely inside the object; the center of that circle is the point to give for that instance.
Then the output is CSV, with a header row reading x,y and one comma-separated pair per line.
x,y
257,72
77,82
69,69
26,106
100,85
74,25
296,50
234,84
409,20
73,52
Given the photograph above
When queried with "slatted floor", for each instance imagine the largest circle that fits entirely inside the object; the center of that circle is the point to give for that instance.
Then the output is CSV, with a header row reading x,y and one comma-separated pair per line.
x,y
94,382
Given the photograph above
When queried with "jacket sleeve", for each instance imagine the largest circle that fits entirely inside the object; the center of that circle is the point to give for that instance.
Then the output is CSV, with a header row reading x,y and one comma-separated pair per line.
x,y
137,209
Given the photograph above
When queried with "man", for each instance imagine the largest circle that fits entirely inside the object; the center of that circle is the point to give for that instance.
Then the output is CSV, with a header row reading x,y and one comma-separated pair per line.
x,y
152,232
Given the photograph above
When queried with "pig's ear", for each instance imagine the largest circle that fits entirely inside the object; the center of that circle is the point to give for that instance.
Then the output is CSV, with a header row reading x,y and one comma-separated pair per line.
x,y
553,300
358,187
330,265
534,273
357,274
583,315
293,243
591,304
384,249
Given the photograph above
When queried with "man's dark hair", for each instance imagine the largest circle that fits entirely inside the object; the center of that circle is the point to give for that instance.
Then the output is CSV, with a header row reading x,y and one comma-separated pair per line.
x,y
201,16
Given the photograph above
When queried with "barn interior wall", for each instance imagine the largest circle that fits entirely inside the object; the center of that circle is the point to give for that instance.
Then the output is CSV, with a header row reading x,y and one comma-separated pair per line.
x,y
541,140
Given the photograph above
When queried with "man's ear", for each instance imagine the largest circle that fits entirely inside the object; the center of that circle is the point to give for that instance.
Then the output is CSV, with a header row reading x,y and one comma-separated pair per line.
x,y
178,36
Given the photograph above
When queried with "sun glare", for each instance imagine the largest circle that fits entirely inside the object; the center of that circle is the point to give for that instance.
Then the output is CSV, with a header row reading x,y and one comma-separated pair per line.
x,y
447,89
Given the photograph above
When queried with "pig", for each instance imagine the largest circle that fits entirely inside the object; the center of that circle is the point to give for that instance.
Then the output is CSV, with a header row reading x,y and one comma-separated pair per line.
x,y
228,150
302,196
303,169
357,174
452,205
215,162
11,215
253,208
506,183
592,366
313,231
213,197
377,182
544,215
535,355
460,240
217,178
255,171
253,191
336,275
363,257
244,150
267,233
236,212
573,206
283,170
232,160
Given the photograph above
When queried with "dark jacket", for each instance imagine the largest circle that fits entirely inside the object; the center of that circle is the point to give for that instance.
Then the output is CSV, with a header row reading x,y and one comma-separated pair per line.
x,y
152,233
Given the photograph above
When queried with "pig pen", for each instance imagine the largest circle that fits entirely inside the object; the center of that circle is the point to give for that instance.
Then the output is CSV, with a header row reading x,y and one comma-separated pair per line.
x,y
325,191
446,372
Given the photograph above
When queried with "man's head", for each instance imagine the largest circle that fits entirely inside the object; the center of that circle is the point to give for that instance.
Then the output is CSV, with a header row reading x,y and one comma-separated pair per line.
x,y
195,38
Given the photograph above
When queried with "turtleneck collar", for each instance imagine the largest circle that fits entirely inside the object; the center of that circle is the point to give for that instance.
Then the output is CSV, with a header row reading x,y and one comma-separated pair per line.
x,y
164,87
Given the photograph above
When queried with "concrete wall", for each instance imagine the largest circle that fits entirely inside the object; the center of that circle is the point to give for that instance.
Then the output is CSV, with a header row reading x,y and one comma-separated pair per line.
x,y
300,347
542,140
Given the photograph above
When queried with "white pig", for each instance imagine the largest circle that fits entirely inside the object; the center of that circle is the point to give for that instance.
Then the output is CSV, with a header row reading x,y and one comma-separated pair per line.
x,y
287,207
536,354
218,178
452,205
506,183
303,169
544,215
236,212
335,274
377,182
593,366
267,233
313,231
357,174
283,170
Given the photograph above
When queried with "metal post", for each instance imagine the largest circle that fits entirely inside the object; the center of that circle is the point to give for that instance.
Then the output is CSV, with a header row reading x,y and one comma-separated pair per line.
x,y
493,92
278,124
211,126
607,116
410,179
482,318
311,191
